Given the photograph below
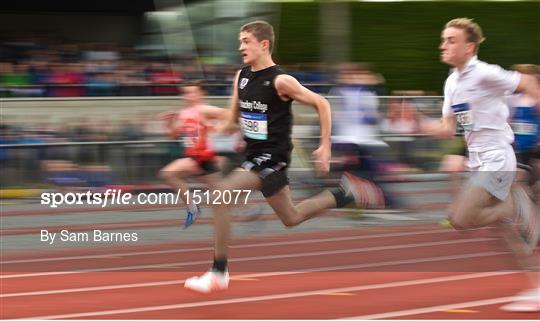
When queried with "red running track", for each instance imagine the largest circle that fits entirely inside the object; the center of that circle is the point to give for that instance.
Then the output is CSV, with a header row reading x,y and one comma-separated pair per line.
x,y
417,272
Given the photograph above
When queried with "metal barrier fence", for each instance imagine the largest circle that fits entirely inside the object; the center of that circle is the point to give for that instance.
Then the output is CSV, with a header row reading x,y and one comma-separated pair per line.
x,y
28,110
30,161
138,162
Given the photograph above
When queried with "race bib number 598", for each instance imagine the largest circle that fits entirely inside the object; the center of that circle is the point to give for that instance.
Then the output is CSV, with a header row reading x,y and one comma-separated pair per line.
x,y
254,126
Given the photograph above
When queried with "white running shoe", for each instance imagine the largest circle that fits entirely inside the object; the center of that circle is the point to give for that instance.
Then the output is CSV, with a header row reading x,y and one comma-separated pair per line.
x,y
211,281
527,301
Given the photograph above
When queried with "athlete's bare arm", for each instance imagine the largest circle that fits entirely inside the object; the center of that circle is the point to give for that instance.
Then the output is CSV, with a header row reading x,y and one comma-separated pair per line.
x,y
231,124
216,113
289,88
444,127
529,86
214,117
170,118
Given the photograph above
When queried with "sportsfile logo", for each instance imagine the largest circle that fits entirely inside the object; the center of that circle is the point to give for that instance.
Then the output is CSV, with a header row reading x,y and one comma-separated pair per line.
x,y
109,197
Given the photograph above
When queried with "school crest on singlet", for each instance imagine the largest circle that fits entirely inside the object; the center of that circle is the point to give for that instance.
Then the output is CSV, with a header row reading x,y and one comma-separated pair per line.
x,y
243,82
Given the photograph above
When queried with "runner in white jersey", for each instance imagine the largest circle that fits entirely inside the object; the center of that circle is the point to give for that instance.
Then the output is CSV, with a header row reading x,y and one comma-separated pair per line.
x,y
474,98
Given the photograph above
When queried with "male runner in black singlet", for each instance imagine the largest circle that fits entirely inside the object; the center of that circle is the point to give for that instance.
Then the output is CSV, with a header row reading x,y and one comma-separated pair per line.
x,y
261,105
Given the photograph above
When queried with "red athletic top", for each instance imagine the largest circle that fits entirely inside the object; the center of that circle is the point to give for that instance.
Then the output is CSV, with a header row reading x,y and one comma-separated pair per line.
x,y
194,133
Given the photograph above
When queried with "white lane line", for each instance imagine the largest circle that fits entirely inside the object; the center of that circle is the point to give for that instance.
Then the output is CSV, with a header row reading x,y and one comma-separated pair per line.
x,y
275,296
277,243
254,258
260,275
438,308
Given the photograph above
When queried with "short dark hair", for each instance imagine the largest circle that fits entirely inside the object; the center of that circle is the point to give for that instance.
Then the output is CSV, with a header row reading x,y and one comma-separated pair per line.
x,y
262,30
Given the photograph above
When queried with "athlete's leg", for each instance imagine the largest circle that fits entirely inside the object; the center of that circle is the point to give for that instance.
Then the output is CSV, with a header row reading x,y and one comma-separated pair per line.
x,y
528,300
239,179
175,173
292,215
486,198
218,278
273,184
364,192
510,200
475,207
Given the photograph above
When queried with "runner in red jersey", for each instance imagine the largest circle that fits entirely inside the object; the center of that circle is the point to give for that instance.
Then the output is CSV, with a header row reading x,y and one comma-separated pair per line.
x,y
192,126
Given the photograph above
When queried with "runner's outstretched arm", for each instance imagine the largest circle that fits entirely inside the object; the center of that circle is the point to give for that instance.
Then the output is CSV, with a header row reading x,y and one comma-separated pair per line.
x,y
289,88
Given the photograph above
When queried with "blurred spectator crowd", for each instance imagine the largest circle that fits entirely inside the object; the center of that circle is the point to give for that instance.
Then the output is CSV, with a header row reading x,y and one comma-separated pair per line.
x,y
39,67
